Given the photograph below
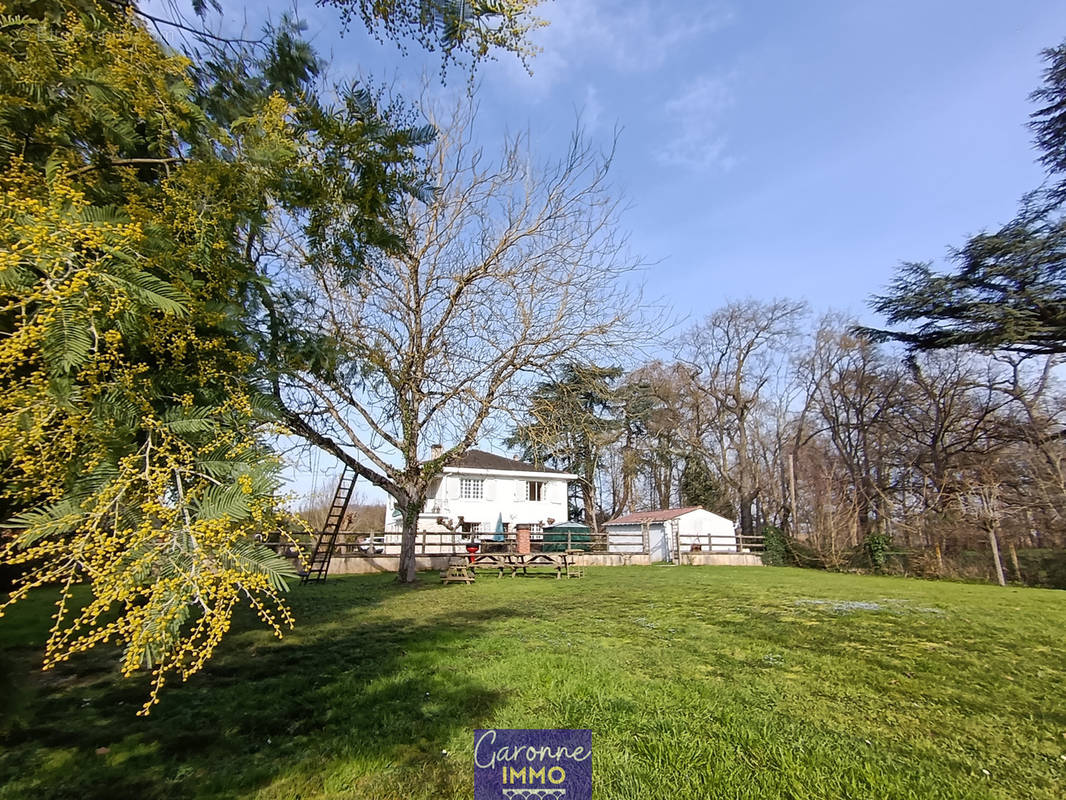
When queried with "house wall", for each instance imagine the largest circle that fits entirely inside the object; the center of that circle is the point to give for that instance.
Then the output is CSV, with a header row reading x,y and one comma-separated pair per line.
x,y
625,539
504,495
712,532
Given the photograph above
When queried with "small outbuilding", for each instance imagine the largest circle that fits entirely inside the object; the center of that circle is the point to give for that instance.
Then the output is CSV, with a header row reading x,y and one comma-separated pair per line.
x,y
668,533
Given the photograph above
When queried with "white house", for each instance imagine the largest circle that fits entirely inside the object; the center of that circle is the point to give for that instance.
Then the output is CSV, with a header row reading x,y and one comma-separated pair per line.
x,y
669,532
482,489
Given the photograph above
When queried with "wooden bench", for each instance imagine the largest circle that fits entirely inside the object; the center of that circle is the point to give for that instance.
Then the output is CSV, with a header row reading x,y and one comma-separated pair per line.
x,y
462,569
457,573
560,562
490,561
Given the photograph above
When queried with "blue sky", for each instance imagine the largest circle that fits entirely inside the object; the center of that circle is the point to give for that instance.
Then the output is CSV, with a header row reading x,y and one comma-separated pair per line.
x,y
768,149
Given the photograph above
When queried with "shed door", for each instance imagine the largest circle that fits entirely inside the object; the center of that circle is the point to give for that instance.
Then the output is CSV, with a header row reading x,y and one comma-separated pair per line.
x,y
658,546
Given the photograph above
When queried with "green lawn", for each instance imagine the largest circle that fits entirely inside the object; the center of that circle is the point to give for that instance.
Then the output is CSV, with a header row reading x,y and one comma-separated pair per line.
x,y
697,682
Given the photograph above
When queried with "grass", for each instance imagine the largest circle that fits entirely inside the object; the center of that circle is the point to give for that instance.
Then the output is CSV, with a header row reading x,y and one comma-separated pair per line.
x,y
697,682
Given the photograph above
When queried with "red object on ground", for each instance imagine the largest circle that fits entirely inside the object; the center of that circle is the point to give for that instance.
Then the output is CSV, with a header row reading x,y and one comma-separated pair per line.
x,y
472,548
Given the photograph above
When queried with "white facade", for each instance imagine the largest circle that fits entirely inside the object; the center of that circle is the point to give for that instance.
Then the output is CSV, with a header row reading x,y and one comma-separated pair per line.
x,y
671,532
476,499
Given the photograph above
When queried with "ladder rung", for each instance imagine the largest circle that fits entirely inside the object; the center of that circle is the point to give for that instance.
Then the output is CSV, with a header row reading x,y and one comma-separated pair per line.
x,y
326,542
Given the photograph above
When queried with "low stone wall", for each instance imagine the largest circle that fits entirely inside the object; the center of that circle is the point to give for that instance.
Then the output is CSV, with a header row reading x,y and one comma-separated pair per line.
x,y
359,565
610,559
722,559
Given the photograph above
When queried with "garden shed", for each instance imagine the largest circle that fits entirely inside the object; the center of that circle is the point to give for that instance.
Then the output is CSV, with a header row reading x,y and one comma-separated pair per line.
x,y
667,533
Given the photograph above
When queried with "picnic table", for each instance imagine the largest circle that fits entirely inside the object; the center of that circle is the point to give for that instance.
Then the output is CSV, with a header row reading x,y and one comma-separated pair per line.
x,y
562,563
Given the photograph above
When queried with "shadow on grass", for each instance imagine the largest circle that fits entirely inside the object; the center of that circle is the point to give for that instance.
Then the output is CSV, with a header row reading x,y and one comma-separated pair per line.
x,y
346,691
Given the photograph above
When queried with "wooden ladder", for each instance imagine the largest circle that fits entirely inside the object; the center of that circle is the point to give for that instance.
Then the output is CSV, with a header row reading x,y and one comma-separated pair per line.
x,y
322,553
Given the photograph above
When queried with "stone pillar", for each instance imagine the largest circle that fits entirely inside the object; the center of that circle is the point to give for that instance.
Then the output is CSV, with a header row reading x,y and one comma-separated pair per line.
x,y
522,540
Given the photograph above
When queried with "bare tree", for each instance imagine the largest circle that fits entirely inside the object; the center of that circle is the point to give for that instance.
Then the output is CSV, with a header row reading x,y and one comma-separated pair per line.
x,y
653,444
735,356
981,499
362,516
1039,423
853,394
509,268
830,503
952,402
843,440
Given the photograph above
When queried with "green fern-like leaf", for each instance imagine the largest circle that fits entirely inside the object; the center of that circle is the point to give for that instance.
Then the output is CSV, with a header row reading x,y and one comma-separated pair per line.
x,y
68,338
186,422
224,501
145,288
253,557
57,518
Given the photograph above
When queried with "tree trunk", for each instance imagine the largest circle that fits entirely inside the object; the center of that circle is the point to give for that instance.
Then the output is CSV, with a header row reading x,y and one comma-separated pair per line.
x,y
863,509
1014,562
407,572
590,506
792,515
747,520
994,541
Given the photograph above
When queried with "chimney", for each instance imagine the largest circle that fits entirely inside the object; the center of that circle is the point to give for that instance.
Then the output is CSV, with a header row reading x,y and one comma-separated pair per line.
x,y
435,450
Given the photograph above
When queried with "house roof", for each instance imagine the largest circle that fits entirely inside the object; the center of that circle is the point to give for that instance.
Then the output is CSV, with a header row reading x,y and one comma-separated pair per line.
x,y
660,515
479,459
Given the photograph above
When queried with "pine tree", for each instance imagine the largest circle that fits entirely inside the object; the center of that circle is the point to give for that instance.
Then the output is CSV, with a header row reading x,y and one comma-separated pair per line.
x,y
570,420
1007,289
699,488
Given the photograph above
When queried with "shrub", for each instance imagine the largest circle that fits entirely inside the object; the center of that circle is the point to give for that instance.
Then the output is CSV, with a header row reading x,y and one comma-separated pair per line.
x,y
776,547
876,547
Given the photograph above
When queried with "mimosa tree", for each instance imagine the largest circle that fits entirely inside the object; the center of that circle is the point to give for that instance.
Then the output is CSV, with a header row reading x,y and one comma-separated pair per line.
x,y
135,186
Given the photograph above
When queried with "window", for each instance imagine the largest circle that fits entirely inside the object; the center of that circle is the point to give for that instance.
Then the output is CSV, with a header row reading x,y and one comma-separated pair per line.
x,y
471,527
471,488
535,490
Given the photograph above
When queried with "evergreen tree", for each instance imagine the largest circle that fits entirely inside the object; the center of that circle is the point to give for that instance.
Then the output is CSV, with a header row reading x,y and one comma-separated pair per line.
x,y
1008,288
570,420
699,488
143,312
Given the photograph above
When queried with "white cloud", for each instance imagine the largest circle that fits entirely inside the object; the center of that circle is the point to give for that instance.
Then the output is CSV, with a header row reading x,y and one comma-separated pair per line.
x,y
694,116
623,35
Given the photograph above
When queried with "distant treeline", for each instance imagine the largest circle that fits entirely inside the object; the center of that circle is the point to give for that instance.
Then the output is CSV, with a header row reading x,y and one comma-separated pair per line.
x,y
862,455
